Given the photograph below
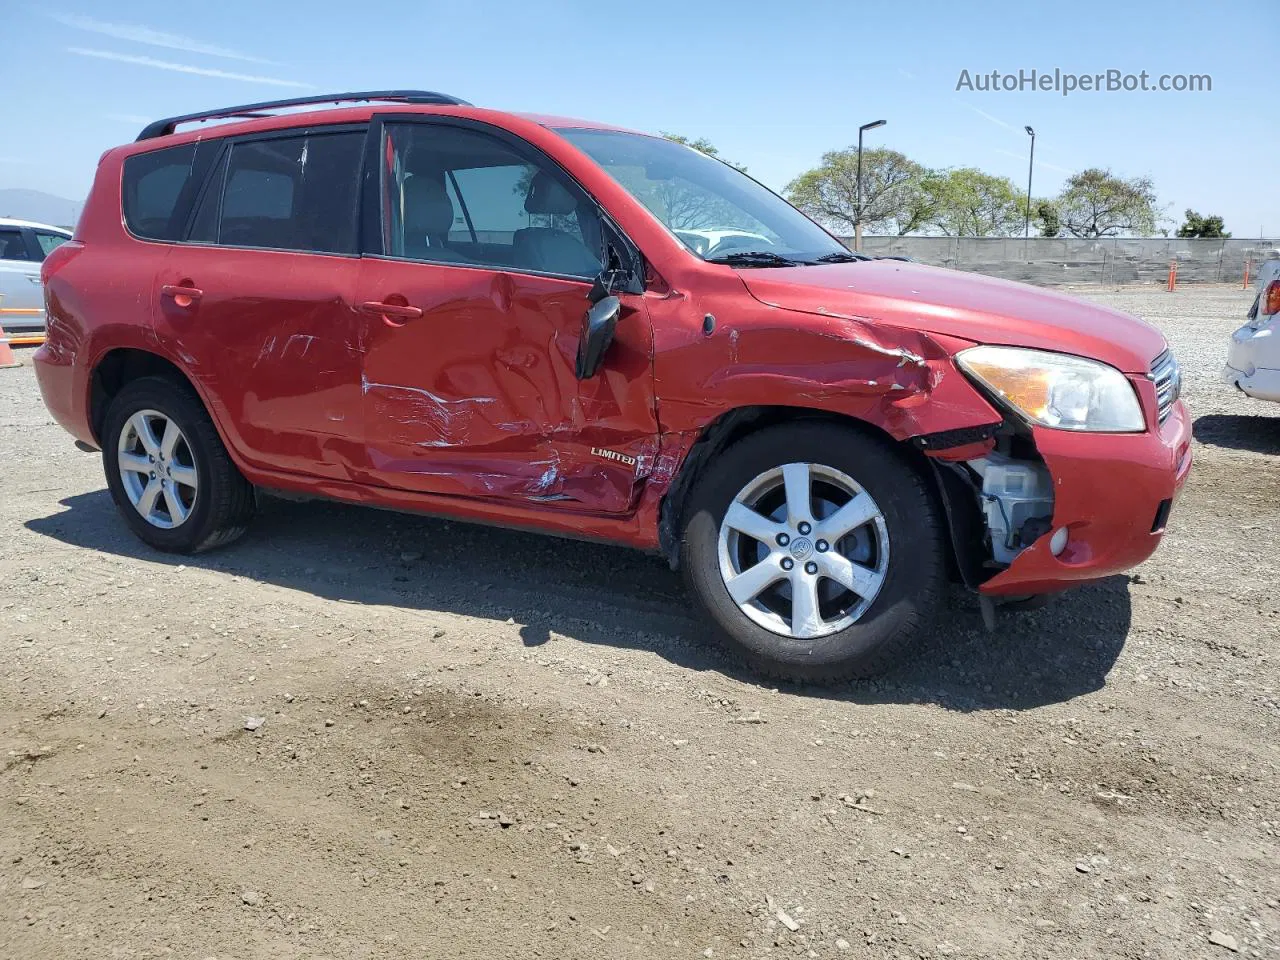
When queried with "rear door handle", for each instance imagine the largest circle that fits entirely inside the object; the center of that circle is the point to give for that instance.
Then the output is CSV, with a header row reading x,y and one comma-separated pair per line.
x,y
33,279
398,310
183,296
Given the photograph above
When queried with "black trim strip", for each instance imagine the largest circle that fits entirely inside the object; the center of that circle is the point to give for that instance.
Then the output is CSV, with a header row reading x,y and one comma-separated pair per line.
x,y
960,437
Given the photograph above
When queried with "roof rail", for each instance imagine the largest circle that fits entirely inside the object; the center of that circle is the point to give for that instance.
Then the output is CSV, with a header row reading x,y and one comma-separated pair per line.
x,y
162,128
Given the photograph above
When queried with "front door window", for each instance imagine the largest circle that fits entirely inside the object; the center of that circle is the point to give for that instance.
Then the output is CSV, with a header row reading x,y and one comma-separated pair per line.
x,y
462,197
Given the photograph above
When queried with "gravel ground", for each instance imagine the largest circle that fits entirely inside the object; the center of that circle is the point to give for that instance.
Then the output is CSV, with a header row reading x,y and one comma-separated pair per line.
x,y
473,743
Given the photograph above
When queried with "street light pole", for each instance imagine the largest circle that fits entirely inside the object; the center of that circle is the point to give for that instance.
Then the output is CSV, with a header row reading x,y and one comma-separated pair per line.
x,y
857,213
1026,230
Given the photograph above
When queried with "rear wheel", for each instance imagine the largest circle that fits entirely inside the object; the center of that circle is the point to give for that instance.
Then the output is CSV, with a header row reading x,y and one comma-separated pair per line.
x,y
816,549
168,471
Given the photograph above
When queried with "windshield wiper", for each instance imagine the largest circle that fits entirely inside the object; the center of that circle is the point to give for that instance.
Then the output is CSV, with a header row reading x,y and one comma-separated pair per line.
x,y
754,258
841,258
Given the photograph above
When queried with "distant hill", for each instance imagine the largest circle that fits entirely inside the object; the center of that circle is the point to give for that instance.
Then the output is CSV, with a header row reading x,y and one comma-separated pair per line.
x,y
37,205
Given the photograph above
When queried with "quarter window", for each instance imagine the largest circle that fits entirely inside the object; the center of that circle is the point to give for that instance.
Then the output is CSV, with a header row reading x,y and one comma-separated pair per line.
x,y
153,185
463,197
285,193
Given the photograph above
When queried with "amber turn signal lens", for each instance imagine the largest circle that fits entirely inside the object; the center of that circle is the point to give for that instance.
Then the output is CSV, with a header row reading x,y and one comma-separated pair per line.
x,y
1027,389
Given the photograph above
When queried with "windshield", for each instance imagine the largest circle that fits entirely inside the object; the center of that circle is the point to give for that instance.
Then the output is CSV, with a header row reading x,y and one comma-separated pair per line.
x,y
715,210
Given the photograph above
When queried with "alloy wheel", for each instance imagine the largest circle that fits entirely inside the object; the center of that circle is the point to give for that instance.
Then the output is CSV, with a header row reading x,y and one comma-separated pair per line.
x,y
157,469
803,550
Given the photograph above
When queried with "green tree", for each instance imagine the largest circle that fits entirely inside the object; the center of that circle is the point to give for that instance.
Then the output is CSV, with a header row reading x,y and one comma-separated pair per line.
x,y
892,197
969,203
1097,203
1198,226
1046,218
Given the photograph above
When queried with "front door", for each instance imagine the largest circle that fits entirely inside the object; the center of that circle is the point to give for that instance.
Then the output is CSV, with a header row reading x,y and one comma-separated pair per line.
x,y
259,300
471,319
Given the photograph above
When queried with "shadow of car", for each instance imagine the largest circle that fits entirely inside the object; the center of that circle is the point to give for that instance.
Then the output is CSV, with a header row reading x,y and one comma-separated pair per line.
x,y
1253,433
611,596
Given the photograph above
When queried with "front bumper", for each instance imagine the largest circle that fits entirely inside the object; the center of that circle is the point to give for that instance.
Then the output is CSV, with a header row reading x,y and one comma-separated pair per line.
x,y
1110,492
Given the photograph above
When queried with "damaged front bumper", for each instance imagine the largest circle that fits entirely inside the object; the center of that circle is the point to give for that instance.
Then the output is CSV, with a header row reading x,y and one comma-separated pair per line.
x,y
1110,494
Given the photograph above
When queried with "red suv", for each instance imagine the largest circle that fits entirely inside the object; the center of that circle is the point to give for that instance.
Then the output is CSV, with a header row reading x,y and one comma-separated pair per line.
x,y
412,302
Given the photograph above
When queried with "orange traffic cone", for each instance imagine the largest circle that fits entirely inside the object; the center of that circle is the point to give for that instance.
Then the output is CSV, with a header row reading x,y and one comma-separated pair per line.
x,y
7,359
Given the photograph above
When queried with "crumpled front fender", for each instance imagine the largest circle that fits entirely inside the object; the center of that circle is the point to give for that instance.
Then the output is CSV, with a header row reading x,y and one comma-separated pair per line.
x,y
903,381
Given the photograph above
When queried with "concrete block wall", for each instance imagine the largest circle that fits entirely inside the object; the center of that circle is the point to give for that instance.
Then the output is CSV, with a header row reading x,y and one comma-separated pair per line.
x,y
1059,260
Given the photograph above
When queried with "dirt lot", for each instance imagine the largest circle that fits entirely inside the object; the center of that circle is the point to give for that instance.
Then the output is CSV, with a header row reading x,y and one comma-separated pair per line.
x,y
482,744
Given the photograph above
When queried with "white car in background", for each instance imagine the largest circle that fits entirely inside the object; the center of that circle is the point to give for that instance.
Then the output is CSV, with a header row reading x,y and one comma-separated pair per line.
x,y
1253,359
706,242
23,247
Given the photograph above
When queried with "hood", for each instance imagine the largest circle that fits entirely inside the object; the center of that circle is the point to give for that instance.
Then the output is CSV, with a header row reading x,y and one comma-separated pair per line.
x,y
965,305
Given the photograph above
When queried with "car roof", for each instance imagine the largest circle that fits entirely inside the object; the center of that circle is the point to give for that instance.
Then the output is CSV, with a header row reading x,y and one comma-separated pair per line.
x,y
14,222
235,124
552,122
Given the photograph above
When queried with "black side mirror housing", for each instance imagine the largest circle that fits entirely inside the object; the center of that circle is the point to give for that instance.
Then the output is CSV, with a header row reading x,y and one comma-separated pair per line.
x,y
598,325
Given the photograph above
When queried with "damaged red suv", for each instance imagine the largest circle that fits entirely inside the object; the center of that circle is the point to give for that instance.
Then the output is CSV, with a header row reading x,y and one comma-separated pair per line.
x,y
411,302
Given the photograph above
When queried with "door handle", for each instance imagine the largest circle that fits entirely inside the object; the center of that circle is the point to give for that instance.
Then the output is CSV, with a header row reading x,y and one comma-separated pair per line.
x,y
183,296
400,311
33,279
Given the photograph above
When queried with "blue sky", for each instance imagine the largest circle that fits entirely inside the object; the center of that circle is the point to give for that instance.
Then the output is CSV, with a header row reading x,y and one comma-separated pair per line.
x,y
772,85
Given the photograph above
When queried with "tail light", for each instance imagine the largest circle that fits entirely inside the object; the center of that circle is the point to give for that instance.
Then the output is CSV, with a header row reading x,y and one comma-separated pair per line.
x,y
1271,298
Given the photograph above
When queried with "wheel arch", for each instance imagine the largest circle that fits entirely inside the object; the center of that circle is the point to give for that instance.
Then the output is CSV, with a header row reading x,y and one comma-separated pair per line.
x,y
122,365
739,422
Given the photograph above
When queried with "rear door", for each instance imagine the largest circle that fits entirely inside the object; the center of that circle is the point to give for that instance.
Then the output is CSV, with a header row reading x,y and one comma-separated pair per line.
x,y
21,296
473,295
257,299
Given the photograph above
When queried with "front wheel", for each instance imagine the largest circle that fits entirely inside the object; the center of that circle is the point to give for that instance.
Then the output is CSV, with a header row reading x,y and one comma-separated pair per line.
x,y
816,549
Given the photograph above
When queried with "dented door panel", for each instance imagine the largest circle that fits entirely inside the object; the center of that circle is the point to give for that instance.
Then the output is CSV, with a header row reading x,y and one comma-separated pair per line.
x,y
272,343
478,398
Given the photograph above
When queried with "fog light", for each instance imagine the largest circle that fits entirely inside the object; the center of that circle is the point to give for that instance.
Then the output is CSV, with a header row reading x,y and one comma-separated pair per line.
x,y
1058,542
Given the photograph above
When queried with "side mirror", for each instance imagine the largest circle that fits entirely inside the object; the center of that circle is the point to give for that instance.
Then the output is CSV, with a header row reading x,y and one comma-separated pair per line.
x,y
598,324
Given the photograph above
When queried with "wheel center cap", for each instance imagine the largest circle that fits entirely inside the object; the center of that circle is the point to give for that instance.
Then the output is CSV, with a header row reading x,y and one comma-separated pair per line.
x,y
801,547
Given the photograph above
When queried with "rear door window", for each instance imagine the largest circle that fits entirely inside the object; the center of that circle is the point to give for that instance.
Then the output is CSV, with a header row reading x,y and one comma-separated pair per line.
x,y
285,193
49,242
156,188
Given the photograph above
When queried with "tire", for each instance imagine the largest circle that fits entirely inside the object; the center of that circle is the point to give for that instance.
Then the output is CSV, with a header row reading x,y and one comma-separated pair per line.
x,y
217,500
900,552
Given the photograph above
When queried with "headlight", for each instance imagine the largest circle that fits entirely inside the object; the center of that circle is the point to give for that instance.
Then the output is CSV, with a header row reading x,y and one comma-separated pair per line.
x,y
1056,389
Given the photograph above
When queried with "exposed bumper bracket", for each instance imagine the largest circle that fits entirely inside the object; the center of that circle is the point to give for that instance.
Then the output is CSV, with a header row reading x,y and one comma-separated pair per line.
x,y
961,437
